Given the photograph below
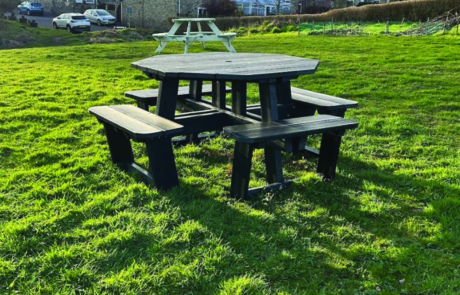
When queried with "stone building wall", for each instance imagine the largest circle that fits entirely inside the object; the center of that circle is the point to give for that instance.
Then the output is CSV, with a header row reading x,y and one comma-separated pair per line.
x,y
151,14
189,8
57,7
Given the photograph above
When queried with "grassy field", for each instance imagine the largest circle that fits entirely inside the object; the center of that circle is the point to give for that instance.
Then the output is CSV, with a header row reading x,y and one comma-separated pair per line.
x,y
362,28
73,223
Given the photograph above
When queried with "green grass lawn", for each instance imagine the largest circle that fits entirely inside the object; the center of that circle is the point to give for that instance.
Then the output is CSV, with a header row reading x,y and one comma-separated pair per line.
x,y
355,27
72,223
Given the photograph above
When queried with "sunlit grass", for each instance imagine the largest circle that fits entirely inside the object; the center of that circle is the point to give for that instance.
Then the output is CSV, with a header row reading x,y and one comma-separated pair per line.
x,y
72,222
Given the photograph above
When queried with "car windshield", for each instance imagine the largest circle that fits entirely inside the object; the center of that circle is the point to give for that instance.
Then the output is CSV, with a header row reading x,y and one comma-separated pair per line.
x,y
78,17
103,12
36,4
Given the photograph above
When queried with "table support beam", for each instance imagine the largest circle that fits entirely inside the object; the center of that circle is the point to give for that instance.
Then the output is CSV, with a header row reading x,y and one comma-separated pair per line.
x,y
218,94
268,102
167,95
239,99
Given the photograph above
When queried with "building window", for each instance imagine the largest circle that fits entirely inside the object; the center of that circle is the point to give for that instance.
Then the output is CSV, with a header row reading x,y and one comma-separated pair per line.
x,y
201,11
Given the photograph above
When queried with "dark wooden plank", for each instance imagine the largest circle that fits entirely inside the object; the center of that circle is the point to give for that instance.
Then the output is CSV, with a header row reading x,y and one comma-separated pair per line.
x,y
218,94
296,127
167,95
284,92
273,164
201,105
196,89
151,95
119,146
268,101
239,98
226,66
321,100
195,124
138,123
328,155
241,170
162,166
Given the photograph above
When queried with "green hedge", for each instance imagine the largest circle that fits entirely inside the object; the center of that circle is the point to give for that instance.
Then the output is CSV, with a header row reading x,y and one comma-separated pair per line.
x,y
396,11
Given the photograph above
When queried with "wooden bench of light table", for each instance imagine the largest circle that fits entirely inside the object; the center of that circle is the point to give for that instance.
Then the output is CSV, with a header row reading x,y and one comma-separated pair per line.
x,y
125,122
260,135
215,35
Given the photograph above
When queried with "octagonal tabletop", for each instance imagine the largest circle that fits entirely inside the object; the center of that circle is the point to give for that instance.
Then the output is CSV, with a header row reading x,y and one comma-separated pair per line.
x,y
226,66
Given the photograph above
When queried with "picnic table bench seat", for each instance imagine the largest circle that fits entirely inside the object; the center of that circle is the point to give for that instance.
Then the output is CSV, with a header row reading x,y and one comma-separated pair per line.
x,y
123,123
263,135
148,97
202,32
159,35
323,103
227,35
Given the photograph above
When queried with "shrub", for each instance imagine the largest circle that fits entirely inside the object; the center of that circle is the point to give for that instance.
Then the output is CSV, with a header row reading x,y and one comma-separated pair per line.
x,y
7,5
394,11
220,7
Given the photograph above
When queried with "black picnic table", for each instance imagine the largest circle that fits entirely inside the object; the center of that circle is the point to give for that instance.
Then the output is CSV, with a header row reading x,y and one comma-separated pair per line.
x,y
272,72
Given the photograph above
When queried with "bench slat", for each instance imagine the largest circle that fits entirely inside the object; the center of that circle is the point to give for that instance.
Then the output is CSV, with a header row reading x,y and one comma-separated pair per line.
x,y
139,124
148,95
321,100
267,131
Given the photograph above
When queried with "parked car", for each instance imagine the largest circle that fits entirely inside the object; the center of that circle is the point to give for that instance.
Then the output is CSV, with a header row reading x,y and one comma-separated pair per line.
x,y
100,17
73,22
30,7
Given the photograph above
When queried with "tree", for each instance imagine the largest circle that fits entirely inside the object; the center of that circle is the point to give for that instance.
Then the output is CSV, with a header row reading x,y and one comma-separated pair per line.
x,y
219,7
8,5
315,6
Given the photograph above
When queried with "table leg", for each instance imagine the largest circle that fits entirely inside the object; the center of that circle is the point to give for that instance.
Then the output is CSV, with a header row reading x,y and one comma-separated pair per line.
x,y
189,25
167,96
196,93
241,170
229,46
161,46
171,32
268,100
218,94
199,31
269,111
239,97
162,166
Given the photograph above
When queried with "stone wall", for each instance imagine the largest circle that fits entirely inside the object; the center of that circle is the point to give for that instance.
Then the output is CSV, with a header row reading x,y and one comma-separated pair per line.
x,y
57,7
188,8
151,14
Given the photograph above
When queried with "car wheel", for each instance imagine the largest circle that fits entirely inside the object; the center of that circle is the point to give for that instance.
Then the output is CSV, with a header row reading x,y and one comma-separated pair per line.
x,y
55,26
69,29
99,22
28,12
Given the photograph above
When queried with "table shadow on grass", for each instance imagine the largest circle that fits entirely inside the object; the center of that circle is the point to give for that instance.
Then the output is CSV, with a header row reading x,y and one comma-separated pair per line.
x,y
243,232
285,248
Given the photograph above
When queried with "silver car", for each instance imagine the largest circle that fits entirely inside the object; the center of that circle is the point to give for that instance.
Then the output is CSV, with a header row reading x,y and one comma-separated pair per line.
x,y
100,17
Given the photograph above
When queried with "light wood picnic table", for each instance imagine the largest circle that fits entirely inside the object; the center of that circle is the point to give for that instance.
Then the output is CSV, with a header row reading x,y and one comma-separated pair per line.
x,y
201,36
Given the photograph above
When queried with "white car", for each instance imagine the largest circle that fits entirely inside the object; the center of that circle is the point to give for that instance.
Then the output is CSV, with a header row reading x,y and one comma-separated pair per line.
x,y
73,22
100,17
